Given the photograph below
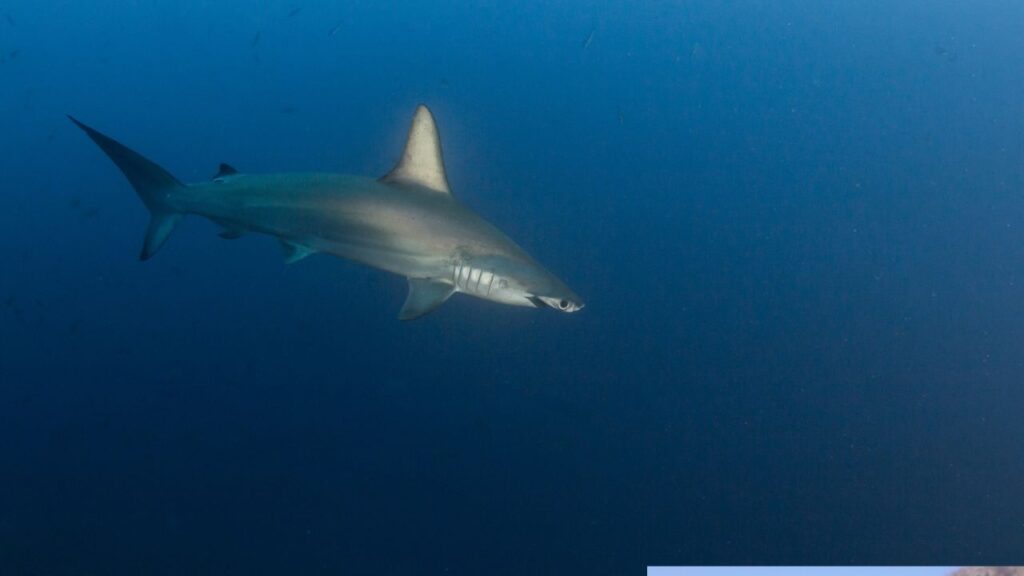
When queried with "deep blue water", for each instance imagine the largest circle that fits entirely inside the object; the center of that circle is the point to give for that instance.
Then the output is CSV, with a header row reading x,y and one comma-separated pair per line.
x,y
798,227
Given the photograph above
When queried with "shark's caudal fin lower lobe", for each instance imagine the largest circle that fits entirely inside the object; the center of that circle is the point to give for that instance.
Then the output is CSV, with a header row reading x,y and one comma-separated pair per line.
x,y
152,183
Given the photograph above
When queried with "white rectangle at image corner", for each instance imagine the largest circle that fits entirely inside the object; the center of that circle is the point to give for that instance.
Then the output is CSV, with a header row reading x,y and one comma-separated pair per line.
x,y
800,570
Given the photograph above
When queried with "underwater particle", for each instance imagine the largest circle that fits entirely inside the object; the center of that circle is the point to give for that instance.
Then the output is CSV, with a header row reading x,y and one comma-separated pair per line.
x,y
944,53
295,12
334,30
590,38
255,40
9,18
941,51
697,53
13,54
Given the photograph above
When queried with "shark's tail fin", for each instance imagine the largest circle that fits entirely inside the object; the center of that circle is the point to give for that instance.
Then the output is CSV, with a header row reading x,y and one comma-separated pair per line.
x,y
152,183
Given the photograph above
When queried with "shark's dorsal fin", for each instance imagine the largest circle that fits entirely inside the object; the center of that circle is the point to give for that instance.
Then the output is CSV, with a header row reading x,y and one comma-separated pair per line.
x,y
425,295
224,170
421,163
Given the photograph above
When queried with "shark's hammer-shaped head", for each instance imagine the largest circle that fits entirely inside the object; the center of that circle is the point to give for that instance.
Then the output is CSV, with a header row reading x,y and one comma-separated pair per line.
x,y
563,304
516,280
521,282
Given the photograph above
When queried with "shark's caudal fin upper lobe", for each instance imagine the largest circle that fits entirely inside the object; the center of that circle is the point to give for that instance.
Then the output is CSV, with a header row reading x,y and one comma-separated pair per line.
x,y
152,183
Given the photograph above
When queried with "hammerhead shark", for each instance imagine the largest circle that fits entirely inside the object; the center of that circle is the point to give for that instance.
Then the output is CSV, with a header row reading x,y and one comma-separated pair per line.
x,y
406,222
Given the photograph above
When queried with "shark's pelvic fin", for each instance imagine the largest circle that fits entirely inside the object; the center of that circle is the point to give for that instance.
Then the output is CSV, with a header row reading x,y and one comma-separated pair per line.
x,y
229,230
421,163
425,295
152,183
224,170
295,252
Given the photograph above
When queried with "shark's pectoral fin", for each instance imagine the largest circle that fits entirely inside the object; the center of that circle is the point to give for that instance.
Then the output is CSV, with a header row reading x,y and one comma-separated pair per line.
x,y
295,252
421,163
161,224
425,295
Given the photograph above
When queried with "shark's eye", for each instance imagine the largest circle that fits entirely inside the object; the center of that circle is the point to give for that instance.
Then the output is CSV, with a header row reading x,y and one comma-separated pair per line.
x,y
563,304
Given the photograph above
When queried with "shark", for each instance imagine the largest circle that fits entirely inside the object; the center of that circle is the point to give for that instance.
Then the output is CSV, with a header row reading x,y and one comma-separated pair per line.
x,y
406,222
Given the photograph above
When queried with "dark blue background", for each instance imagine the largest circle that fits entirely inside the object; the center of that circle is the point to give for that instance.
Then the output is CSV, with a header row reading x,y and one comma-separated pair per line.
x,y
798,226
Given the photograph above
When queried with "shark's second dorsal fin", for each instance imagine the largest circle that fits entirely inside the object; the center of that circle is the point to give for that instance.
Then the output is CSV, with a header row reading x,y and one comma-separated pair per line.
x,y
421,163
225,170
